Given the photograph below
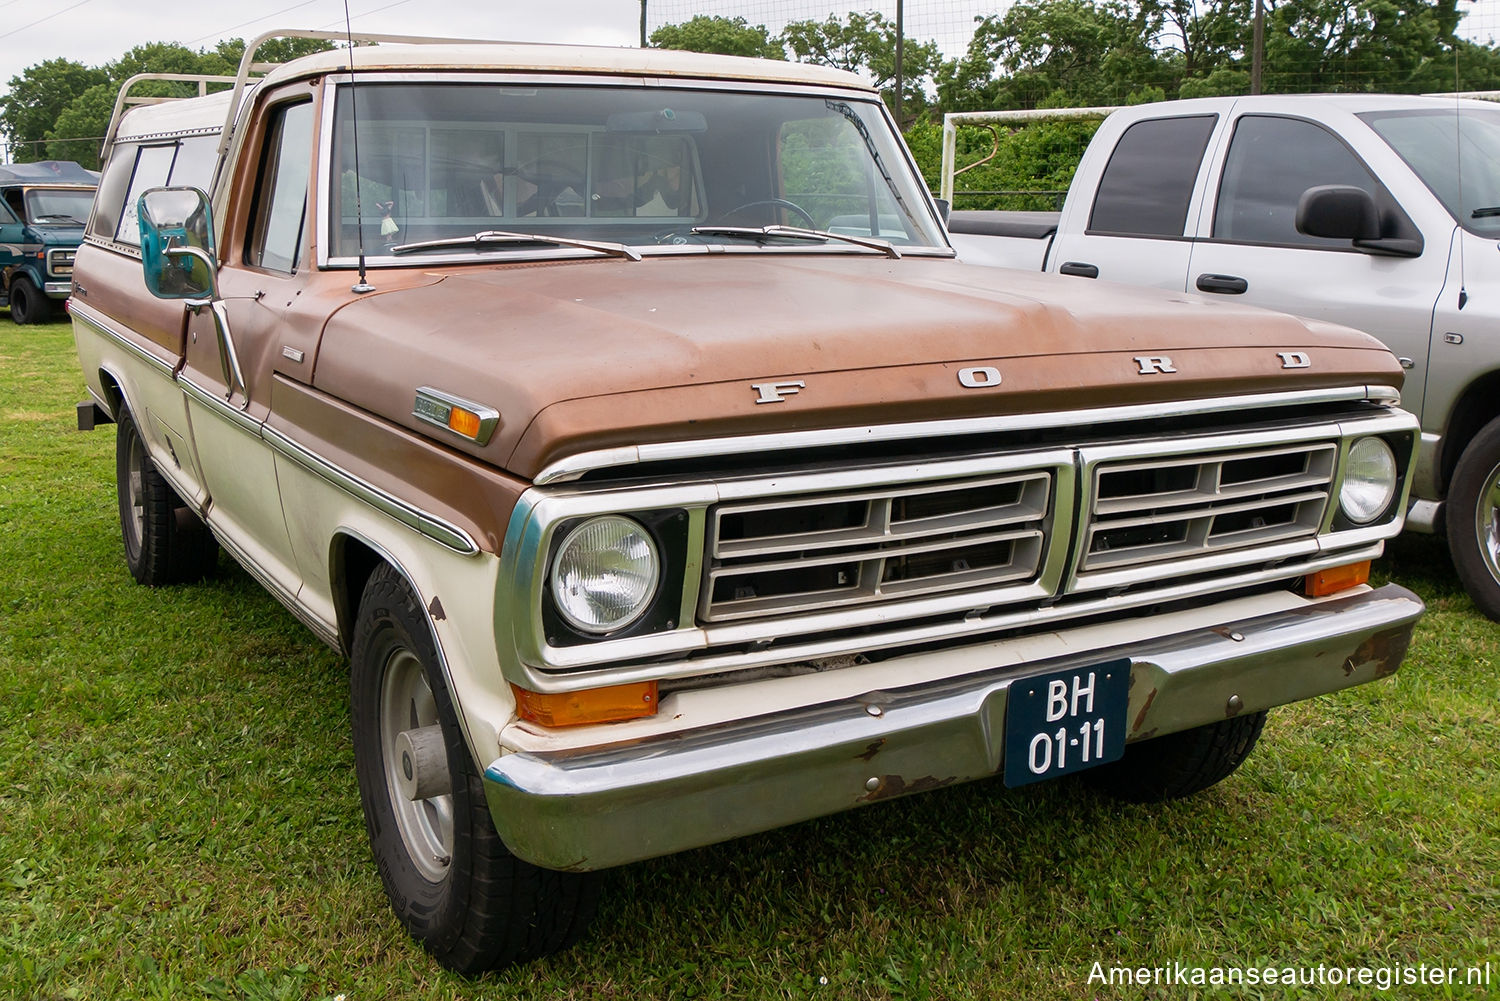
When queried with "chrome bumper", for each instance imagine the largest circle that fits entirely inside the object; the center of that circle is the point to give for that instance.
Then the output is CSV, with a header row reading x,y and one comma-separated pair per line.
x,y
592,808
59,290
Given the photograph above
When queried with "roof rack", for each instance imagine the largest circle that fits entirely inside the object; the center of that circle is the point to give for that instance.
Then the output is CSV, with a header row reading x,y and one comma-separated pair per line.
x,y
124,98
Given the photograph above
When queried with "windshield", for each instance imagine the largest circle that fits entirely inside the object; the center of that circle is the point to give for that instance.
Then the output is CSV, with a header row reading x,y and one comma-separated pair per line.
x,y
1468,183
59,205
629,165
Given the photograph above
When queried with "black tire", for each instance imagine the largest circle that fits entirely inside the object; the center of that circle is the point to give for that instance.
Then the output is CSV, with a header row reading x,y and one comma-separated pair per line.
x,y
1471,518
1180,764
28,304
482,907
165,542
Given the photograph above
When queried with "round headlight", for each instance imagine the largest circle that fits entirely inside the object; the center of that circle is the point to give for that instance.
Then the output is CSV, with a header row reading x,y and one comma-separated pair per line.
x,y
605,574
1369,480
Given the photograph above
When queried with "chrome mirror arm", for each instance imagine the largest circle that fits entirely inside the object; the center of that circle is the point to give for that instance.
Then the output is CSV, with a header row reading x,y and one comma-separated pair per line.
x,y
234,376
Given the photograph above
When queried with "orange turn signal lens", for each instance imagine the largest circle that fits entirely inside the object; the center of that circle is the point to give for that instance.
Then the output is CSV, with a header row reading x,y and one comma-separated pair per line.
x,y
463,422
1335,579
590,705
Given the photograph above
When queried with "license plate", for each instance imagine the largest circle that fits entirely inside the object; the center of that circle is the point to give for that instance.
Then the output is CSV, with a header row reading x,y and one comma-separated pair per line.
x,y
1065,721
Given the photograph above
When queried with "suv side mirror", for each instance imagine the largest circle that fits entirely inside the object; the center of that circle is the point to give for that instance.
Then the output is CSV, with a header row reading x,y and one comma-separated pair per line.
x,y
177,244
1338,212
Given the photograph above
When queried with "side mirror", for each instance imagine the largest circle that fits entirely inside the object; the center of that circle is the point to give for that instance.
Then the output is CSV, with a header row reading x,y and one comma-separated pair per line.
x,y
177,244
945,208
1338,212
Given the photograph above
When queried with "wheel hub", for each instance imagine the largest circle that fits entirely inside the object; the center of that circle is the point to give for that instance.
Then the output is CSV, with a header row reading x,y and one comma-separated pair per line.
x,y
416,765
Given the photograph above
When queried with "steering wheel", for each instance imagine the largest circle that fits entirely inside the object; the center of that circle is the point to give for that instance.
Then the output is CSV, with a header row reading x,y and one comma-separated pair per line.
x,y
781,203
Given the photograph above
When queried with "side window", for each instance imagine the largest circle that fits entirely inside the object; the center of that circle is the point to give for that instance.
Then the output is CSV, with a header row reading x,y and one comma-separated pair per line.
x,y
196,158
1261,185
280,210
6,215
1149,180
153,165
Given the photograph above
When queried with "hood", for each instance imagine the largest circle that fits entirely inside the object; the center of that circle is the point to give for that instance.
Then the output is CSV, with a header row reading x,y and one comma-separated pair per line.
x,y
597,353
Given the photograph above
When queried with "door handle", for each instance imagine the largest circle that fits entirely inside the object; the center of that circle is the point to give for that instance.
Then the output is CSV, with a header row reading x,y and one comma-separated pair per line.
x,y
1078,269
1222,284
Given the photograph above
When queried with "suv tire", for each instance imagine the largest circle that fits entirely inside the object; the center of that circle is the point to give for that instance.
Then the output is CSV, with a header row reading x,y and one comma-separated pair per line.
x,y
1471,518
451,881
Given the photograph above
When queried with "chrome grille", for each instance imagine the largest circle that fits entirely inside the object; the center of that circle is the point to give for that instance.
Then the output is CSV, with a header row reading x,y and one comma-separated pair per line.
x,y
1146,511
835,549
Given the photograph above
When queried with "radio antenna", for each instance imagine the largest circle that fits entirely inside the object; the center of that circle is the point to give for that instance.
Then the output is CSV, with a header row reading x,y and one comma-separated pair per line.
x,y
1458,169
360,287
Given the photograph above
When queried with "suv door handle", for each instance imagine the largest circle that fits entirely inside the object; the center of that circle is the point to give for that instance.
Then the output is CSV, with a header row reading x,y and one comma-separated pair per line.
x,y
1078,269
1222,284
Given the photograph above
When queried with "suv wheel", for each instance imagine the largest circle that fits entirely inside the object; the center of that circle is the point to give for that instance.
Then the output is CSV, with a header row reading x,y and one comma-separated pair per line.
x,y
1182,763
28,304
165,542
1472,519
451,881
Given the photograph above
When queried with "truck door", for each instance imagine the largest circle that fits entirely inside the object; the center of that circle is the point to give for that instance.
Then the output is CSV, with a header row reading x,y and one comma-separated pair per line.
x,y
1250,251
255,284
1136,229
12,240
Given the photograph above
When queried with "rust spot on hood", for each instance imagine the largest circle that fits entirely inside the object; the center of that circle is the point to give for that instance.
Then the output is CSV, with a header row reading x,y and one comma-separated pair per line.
x,y
1140,717
892,786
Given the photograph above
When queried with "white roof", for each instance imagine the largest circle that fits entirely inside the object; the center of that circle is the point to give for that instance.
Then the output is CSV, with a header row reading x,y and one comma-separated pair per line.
x,y
531,57
184,115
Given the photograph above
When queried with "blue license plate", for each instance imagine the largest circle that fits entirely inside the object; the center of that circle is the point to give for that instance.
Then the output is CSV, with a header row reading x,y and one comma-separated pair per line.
x,y
1065,721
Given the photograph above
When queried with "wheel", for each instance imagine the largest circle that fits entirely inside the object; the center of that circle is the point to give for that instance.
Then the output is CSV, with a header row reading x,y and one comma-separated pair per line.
x,y
165,543
1180,764
451,881
780,203
1472,519
28,304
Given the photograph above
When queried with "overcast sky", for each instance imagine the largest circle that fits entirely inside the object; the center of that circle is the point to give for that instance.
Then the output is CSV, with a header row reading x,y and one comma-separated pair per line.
x,y
94,32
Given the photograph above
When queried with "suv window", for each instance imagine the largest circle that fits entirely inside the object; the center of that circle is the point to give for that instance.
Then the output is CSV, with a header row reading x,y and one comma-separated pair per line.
x,y
281,199
1261,185
1149,180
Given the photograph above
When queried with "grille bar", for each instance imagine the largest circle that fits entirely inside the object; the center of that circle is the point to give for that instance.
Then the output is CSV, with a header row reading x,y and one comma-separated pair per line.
x,y
1145,511
826,550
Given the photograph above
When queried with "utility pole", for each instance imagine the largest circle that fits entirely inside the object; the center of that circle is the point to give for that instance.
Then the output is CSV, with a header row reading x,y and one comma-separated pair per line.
x,y
1257,57
900,37
643,23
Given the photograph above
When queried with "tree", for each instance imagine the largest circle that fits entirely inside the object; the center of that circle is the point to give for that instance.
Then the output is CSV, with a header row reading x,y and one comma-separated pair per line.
x,y
37,97
723,35
866,43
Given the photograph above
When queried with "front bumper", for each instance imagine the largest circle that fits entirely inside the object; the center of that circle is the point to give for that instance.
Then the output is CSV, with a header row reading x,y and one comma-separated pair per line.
x,y
595,807
59,290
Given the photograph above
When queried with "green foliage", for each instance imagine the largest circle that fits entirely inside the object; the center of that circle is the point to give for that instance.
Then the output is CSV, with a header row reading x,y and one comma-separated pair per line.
x,y
60,109
723,35
1028,168
866,43
37,97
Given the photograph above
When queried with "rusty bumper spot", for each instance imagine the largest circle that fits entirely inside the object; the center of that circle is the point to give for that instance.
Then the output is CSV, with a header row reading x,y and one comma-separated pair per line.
x,y
1385,650
1140,717
870,752
892,786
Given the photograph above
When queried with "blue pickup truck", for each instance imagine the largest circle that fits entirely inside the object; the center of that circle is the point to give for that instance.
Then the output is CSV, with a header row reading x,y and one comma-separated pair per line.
x,y
43,207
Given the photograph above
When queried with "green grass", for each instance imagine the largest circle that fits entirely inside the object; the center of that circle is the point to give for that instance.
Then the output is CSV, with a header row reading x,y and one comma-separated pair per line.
x,y
179,816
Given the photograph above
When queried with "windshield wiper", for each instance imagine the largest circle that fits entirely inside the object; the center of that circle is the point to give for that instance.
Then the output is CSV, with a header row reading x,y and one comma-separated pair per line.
x,y
478,240
798,233
1488,210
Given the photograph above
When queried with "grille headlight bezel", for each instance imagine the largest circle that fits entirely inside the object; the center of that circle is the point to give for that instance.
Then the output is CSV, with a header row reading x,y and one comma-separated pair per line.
x,y
599,555
1371,480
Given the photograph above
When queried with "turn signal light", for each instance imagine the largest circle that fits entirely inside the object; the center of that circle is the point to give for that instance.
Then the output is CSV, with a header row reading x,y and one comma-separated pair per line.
x,y
464,422
1335,579
590,705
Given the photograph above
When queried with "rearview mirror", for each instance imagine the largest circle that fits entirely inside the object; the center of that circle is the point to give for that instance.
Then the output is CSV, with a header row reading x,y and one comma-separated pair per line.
x,y
1338,212
177,244
664,120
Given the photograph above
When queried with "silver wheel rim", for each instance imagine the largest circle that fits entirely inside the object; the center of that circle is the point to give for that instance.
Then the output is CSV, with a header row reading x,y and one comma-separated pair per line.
x,y
1487,522
135,494
426,825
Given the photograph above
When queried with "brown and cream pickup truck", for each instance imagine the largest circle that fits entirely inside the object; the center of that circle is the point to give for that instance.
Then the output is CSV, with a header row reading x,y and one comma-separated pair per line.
x,y
625,419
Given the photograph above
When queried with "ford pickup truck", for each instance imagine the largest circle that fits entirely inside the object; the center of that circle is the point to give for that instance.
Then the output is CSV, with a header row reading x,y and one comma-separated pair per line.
x,y
625,418
1379,212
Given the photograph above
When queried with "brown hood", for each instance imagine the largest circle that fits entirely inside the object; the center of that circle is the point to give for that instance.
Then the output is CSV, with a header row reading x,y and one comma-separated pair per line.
x,y
609,352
